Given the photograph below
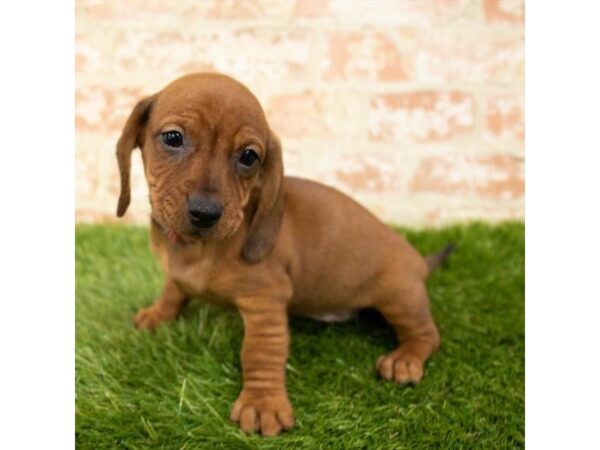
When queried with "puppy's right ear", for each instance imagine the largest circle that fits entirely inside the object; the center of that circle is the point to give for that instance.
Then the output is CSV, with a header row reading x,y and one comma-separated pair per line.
x,y
131,138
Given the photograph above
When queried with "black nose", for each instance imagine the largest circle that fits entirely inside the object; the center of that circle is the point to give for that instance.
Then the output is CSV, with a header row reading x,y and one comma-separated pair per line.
x,y
204,212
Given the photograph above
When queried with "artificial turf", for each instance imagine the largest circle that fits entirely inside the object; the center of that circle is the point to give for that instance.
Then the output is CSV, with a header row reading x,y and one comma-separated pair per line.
x,y
173,388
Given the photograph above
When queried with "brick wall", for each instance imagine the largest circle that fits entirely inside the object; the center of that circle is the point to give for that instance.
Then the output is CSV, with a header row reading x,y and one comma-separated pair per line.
x,y
415,108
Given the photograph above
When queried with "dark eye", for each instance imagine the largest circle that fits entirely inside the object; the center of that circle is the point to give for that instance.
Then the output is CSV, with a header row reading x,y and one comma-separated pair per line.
x,y
248,158
173,139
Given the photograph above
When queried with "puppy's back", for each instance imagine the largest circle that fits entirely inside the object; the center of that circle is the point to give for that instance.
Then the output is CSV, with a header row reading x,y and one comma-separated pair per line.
x,y
332,233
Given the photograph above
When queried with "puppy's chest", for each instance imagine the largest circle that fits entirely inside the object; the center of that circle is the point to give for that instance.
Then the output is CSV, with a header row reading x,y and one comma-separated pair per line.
x,y
198,275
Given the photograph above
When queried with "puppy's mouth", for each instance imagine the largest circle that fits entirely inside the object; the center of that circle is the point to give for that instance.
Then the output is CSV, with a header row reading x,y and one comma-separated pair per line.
x,y
177,237
174,236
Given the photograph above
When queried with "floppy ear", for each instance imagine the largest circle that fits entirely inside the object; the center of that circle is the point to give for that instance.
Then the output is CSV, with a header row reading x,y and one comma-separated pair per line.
x,y
265,223
131,138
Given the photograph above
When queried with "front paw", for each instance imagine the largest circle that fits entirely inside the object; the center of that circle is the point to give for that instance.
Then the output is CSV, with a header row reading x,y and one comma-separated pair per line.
x,y
264,411
148,318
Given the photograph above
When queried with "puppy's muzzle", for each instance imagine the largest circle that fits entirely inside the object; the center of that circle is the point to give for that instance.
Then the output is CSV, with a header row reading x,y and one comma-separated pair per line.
x,y
204,212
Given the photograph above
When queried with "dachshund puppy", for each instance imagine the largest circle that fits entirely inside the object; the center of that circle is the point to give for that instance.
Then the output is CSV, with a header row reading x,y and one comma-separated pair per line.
x,y
227,226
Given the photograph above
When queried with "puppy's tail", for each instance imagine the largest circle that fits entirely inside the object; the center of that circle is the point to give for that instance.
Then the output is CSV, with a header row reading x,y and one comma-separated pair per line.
x,y
436,259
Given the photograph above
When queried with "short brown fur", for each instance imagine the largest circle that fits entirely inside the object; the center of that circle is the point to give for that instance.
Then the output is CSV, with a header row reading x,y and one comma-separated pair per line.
x,y
282,246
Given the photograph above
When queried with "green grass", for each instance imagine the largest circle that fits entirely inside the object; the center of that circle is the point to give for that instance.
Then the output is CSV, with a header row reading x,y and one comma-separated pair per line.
x,y
174,388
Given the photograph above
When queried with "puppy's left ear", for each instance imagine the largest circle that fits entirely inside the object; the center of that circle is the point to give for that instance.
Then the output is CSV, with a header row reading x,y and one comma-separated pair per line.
x,y
264,226
131,138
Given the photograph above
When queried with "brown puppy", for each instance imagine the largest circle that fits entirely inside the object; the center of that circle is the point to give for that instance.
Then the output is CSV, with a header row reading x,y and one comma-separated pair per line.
x,y
228,226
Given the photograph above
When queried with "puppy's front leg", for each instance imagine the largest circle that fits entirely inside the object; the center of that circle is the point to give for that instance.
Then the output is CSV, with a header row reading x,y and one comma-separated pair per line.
x,y
168,306
263,403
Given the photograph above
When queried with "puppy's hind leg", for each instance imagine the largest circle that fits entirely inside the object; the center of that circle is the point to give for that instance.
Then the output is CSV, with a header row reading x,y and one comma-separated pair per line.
x,y
168,307
408,313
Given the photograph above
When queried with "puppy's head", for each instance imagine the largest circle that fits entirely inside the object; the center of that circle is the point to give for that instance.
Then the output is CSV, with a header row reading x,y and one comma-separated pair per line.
x,y
210,160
